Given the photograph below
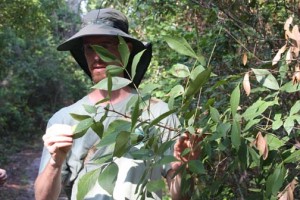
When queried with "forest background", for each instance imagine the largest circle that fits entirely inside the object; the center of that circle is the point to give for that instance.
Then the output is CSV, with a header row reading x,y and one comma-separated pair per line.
x,y
249,102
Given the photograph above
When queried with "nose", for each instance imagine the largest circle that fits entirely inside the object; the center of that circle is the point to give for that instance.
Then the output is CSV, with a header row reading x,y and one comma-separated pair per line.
x,y
96,57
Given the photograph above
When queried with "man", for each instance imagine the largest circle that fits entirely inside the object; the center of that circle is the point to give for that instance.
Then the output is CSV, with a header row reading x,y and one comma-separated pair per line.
x,y
65,159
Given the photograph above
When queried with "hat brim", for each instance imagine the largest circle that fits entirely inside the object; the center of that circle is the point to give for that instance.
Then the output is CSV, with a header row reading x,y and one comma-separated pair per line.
x,y
75,46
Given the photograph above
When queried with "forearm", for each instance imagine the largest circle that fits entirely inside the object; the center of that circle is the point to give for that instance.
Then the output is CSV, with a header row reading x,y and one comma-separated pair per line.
x,y
48,183
174,184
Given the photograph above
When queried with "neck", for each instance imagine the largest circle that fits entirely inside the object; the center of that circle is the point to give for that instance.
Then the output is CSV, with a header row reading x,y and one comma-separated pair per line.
x,y
116,96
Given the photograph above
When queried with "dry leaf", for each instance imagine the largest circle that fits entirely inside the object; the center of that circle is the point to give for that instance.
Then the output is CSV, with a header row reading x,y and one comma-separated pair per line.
x,y
246,84
296,35
288,192
245,59
261,144
296,75
295,51
288,23
289,56
278,55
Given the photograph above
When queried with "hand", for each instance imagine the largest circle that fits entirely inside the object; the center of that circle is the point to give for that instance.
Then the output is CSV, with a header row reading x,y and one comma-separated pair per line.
x,y
58,140
187,140
3,176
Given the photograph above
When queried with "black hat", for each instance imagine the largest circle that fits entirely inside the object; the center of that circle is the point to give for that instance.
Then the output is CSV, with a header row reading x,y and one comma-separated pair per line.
x,y
108,22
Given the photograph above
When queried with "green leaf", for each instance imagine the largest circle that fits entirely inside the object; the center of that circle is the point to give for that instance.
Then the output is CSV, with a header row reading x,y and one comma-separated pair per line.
x,y
214,114
82,127
180,70
164,147
107,178
161,117
289,124
275,180
135,114
236,134
295,108
79,117
277,123
235,100
136,60
196,166
114,70
117,83
251,123
86,182
293,158
258,108
180,45
222,130
200,80
289,87
274,142
155,185
90,109
121,143
104,54
165,160
264,77
124,51
98,128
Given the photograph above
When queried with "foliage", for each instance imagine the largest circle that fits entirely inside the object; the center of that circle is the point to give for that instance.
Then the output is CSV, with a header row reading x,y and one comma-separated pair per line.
x,y
252,147
223,66
35,79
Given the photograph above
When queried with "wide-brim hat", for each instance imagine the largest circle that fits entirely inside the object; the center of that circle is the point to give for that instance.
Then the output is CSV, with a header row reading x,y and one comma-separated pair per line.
x,y
108,22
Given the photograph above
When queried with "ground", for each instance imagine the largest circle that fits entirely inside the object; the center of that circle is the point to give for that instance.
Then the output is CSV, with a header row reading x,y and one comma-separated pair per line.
x,y
22,169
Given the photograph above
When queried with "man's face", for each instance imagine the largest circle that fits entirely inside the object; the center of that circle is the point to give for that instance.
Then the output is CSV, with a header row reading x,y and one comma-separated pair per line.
x,y
96,65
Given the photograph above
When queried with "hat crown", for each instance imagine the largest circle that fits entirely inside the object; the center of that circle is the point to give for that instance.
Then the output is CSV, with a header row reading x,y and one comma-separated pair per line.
x,y
107,16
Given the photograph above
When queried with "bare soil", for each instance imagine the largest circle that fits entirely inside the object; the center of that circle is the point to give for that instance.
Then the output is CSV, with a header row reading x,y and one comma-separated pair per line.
x,y
22,170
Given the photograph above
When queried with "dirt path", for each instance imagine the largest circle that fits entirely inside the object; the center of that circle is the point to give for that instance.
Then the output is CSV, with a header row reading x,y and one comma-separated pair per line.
x,y
22,171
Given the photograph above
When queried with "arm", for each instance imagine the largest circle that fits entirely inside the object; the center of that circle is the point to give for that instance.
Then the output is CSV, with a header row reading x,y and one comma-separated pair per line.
x,y
58,140
187,140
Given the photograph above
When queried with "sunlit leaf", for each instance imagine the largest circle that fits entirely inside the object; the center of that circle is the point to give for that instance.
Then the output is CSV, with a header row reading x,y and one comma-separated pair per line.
x,y
136,60
289,124
82,127
295,108
86,182
180,45
180,70
264,77
277,123
123,50
274,142
199,81
293,158
258,108
114,70
117,83
107,178
236,134
235,99
105,54
214,114
90,109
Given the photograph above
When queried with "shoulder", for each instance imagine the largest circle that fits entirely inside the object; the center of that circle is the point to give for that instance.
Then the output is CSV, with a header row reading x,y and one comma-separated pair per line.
x,y
63,115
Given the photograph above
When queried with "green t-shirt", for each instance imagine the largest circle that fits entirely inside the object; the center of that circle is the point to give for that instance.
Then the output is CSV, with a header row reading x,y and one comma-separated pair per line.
x,y
130,170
